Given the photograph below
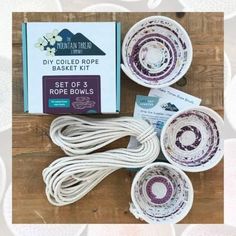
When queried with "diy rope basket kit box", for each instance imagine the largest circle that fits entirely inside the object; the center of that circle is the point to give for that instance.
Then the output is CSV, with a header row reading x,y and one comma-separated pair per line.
x,y
71,68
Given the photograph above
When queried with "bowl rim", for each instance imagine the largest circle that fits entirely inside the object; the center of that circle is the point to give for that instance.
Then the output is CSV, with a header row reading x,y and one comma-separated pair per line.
x,y
185,210
220,124
186,68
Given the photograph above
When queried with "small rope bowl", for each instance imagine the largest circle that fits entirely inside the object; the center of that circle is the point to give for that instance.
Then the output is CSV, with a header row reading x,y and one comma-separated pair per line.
x,y
161,193
156,52
192,139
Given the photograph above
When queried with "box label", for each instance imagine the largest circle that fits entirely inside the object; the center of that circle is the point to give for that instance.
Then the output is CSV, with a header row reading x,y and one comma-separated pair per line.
x,y
71,94
53,103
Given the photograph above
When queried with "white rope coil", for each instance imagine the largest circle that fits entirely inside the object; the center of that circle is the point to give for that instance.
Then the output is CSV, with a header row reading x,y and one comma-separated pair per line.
x,y
68,179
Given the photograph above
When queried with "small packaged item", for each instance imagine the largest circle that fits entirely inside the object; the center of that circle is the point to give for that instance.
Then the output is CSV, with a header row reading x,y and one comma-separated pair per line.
x,y
71,68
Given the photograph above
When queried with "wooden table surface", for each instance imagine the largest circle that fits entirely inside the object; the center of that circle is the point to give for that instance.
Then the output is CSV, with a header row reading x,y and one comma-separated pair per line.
x,y
109,201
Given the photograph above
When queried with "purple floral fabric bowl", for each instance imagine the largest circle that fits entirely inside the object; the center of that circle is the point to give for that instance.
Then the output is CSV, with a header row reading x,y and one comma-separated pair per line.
x,y
193,139
156,52
161,193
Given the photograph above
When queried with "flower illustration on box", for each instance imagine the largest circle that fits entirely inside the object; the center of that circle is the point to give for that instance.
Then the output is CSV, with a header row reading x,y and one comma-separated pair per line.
x,y
41,44
47,42
53,37
51,51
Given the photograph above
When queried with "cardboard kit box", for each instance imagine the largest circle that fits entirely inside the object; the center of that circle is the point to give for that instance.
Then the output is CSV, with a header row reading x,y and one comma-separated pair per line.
x,y
71,68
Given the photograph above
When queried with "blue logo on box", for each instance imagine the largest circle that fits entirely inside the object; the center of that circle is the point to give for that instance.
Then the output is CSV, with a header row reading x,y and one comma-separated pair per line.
x,y
65,43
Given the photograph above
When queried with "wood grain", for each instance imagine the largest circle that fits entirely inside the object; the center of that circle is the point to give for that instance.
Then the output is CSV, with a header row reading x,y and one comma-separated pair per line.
x,y
109,201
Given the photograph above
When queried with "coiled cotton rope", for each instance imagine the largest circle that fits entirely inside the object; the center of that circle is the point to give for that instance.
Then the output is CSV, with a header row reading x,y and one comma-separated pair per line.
x,y
68,179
